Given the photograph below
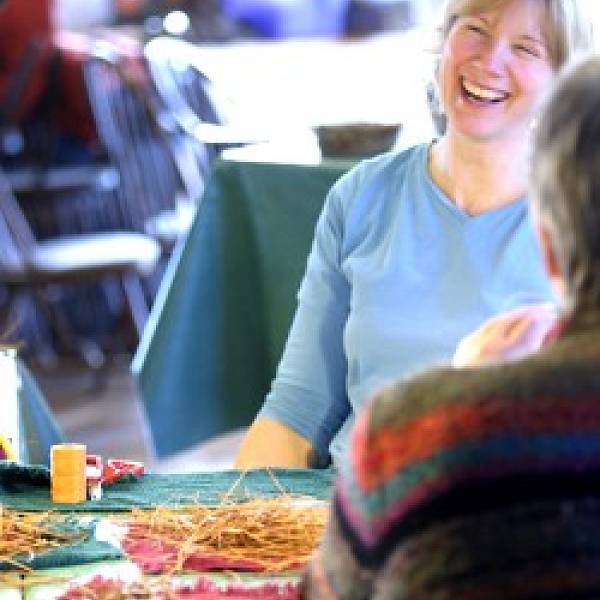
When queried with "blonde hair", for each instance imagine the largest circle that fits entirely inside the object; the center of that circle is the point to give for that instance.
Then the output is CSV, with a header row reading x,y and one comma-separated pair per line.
x,y
568,27
568,33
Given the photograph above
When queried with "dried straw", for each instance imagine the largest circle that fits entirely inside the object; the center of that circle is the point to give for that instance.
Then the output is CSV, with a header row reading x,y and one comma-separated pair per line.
x,y
275,534
25,534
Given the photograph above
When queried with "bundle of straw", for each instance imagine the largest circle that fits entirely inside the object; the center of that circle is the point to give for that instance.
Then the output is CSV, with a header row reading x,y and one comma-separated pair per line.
x,y
270,535
22,535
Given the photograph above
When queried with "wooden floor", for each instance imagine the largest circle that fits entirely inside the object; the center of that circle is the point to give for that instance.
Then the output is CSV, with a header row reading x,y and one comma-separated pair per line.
x,y
102,409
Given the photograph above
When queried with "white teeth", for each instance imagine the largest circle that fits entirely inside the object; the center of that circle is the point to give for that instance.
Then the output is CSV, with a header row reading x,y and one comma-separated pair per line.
x,y
483,93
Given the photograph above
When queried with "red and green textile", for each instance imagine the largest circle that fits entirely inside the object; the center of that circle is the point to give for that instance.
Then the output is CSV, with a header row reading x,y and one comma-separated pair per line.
x,y
100,588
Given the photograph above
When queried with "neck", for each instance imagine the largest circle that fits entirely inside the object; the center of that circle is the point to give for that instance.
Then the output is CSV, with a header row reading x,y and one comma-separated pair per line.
x,y
479,176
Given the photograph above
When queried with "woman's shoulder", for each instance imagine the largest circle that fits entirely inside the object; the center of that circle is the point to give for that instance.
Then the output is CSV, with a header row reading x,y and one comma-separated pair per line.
x,y
374,185
389,165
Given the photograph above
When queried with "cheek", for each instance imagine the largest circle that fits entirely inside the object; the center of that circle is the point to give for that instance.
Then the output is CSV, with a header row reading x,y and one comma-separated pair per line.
x,y
447,69
463,46
457,52
536,82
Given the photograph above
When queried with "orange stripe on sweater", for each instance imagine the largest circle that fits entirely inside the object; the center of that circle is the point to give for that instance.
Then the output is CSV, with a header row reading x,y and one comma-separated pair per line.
x,y
379,455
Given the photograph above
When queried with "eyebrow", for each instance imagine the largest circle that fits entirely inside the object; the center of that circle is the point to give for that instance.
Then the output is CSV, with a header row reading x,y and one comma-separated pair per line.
x,y
526,36
479,17
531,38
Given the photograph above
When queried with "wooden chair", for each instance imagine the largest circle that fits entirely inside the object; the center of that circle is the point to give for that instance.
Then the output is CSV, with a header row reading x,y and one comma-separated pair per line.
x,y
31,270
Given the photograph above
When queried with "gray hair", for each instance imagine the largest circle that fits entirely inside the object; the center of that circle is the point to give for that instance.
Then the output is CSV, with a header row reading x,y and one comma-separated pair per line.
x,y
565,179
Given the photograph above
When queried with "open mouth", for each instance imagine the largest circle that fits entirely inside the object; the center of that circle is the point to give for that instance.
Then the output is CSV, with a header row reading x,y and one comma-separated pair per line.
x,y
481,94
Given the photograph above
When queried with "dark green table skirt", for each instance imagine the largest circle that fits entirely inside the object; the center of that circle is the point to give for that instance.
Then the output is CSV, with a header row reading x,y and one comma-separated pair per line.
x,y
220,321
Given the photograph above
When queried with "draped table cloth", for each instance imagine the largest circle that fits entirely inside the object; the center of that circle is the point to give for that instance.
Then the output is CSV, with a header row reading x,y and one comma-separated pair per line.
x,y
219,324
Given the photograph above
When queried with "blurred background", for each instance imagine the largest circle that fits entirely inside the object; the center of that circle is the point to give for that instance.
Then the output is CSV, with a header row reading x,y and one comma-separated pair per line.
x,y
98,105
113,114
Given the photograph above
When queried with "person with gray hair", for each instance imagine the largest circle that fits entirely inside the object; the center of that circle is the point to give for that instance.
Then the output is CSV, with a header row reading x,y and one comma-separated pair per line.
x,y
416,248
483,482
566,189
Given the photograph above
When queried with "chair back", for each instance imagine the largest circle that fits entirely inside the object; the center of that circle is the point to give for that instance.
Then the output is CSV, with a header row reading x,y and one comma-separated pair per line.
x,y
187,91
16,237
138,144
187,95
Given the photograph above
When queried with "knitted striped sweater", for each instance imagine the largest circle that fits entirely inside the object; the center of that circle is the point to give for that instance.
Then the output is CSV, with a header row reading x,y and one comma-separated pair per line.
x,y
473,484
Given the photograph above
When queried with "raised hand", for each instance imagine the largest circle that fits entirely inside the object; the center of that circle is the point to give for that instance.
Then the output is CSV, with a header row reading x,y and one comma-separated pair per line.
x,y
509,336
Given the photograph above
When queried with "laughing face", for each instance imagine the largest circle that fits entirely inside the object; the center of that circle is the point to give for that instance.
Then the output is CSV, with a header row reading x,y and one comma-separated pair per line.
x,y
495,70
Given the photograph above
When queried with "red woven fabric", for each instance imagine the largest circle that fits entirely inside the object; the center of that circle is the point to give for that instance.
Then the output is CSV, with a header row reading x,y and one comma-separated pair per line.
x,y
204,589
154,557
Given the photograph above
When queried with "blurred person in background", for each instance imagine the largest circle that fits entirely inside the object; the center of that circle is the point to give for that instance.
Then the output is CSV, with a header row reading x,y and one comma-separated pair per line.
x,y
482,481
415,249
25,31
44,110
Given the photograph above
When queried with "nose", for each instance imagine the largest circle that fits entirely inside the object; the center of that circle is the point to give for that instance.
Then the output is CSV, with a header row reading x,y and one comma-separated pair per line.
x,y
494,54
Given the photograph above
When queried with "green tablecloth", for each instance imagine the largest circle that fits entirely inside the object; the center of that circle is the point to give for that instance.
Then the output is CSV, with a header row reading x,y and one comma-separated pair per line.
x,y
221,318
27,488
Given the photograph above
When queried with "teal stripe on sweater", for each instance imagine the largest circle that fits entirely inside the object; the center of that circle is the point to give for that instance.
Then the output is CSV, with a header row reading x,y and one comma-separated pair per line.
x,y
521,452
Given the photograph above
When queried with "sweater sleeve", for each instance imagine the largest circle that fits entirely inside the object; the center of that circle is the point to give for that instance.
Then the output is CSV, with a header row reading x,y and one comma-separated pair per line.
x,y
309,391
343,566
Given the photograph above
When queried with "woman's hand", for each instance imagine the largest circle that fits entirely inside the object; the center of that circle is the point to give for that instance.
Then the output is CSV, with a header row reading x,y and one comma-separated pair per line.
x,y
271,444
508,336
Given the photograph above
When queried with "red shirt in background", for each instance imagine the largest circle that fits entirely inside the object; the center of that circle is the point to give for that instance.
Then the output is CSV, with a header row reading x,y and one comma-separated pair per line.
x,y
25,24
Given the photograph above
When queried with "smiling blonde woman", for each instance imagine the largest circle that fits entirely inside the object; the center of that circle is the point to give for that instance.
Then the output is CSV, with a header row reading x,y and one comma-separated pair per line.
x,y
415,249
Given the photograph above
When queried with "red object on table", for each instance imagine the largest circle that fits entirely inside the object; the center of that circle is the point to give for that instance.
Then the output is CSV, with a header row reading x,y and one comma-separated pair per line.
x,y
94,461
155,557
115,469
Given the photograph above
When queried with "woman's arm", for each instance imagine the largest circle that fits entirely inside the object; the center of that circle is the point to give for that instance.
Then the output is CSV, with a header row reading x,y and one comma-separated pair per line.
x,y
308,401
271,444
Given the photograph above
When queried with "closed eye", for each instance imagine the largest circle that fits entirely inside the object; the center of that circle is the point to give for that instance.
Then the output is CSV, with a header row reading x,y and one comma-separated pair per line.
x,y
529,50
476,29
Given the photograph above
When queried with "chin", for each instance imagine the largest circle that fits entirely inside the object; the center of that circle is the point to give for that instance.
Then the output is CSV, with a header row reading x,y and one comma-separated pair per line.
x,y
487,131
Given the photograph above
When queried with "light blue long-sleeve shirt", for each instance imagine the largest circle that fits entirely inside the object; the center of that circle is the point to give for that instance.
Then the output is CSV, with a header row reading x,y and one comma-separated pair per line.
x,y
397,275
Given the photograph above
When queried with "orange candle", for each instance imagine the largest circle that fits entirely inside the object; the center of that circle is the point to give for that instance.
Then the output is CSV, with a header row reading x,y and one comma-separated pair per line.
x,y
67,473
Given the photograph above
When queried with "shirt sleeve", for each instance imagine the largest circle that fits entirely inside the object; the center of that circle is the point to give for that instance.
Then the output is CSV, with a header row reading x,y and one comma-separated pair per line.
x,y
309,391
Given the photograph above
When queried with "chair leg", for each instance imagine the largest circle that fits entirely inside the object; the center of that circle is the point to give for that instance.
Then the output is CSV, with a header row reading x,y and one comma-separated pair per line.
x,y
25,307
136,300
50,301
